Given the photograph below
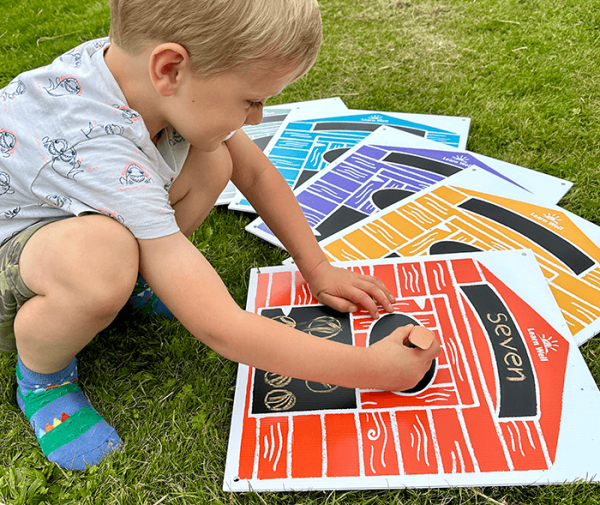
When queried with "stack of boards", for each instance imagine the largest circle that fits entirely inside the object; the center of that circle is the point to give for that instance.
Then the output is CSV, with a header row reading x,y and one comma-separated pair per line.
x,y
475,249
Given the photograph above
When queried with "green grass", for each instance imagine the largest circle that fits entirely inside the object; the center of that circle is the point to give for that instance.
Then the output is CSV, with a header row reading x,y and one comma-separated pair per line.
x,y
525,71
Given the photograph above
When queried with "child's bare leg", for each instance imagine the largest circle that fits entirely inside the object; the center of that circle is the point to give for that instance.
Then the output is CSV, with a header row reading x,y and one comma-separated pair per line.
x,y
83,270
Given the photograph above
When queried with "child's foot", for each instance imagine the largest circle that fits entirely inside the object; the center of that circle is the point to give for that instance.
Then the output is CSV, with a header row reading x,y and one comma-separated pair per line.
x,y
70,432
144,301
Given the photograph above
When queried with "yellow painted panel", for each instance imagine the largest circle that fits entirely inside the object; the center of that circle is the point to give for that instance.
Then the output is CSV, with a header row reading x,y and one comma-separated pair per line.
x,y
385,234
366,244
340,251
403,225
452,195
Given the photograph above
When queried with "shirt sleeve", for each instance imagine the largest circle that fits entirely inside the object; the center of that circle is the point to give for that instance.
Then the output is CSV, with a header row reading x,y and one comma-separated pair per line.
x,y
112,176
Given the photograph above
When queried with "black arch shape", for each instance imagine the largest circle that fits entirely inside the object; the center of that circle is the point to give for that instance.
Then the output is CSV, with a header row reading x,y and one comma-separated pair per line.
x,y
334,154
363,127
566,252
452,247
385,197
433,166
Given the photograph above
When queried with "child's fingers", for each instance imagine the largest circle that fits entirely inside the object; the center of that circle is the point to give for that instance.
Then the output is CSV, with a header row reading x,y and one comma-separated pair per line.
x,y
375,292
377,282
365,294
350,298
337,303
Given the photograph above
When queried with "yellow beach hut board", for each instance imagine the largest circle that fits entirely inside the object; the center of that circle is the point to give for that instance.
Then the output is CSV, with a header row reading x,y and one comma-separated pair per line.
x,y
476,212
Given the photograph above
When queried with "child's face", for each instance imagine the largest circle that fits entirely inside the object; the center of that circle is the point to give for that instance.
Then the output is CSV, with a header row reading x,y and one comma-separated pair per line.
x,y
210,109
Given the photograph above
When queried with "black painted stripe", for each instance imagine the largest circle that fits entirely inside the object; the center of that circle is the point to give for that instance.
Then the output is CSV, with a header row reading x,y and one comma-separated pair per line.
x,y
517,382
433,166
560,248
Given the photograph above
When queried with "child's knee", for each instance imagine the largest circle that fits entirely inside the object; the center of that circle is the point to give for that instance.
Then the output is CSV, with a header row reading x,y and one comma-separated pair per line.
x,y
113,262
90,260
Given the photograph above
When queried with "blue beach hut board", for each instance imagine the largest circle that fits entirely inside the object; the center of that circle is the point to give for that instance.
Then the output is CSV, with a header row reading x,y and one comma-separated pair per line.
x,y
273,117
303,148
386,167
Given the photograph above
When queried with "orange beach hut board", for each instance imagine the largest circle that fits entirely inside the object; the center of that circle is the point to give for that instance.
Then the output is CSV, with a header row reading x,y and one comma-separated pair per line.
x,y
509,401
476,212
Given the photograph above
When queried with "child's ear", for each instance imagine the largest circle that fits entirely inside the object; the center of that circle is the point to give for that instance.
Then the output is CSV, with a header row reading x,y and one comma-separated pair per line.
x,y
168,65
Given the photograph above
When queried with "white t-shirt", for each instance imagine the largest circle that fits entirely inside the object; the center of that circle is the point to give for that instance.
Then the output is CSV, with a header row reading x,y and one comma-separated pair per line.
x,y
69,144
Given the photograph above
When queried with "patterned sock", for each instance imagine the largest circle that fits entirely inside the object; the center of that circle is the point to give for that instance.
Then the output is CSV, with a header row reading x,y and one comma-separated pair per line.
x,y
70,432
144,301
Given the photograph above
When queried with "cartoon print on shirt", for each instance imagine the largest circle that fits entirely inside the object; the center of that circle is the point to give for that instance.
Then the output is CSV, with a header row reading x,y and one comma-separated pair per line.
x,y
59,201
134,174
13,90
12,213
129,114
72,58
114,129
176,139
99,44
64,158
168,185
109,213
95,130
64,86
5,188
8,142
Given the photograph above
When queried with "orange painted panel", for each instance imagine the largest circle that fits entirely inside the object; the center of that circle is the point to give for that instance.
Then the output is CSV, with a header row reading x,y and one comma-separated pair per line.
x,y
452,440
385,234
524,445
342,446
272,440
262,292
280,289
379,450
341,251
307,447
416,441
247,449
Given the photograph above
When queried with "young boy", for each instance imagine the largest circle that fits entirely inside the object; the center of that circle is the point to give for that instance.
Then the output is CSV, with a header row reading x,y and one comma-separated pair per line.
x,y
111,157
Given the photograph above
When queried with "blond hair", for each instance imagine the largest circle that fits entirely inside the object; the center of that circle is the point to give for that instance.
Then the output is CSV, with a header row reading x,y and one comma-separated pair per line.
x,y
220,35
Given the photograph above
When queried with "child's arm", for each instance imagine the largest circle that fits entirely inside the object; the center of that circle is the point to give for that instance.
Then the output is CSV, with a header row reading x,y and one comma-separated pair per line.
x,y
189,286
268,192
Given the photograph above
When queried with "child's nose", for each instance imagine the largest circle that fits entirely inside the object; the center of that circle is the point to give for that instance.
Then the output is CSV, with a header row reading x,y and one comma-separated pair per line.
x,y
254,117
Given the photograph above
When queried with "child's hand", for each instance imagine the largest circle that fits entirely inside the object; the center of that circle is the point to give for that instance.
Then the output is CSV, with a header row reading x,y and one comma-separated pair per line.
x,y
343,290
399,359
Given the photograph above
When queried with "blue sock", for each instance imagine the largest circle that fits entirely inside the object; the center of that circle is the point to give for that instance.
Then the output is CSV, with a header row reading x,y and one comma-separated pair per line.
x,y
144,301
70,432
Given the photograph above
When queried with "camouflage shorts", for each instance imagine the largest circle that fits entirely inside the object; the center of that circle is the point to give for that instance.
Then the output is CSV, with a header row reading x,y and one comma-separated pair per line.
x,y
13,291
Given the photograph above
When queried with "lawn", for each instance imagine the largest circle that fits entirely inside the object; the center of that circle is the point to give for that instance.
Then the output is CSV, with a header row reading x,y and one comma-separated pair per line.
x,y
525,71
